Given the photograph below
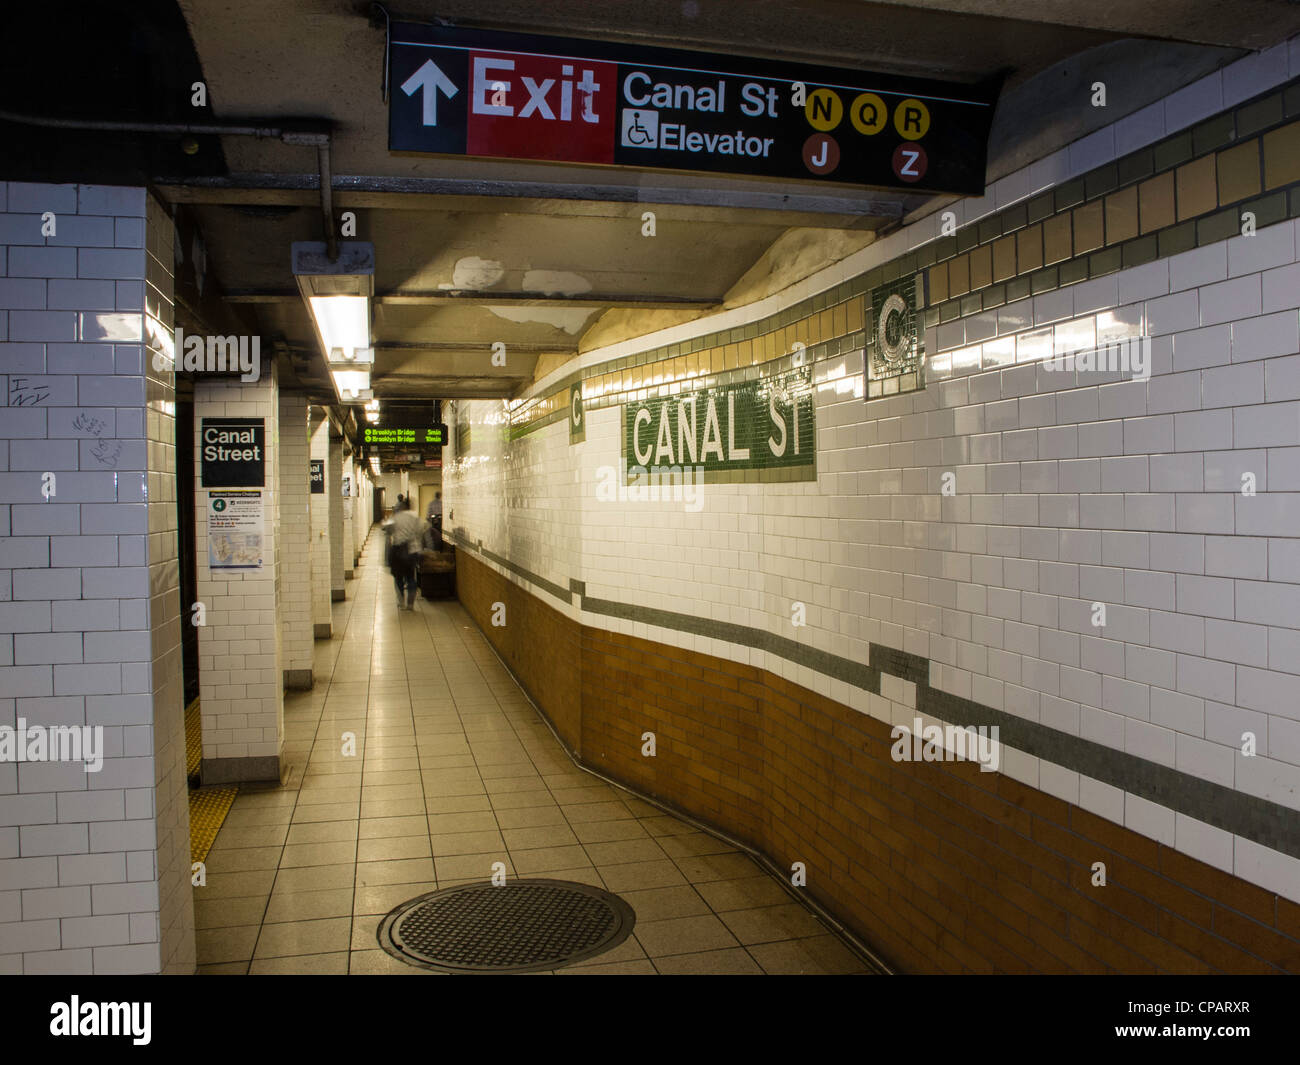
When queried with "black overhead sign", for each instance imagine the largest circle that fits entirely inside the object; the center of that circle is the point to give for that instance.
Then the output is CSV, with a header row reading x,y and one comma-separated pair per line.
x,y
510,95
232,453
400,432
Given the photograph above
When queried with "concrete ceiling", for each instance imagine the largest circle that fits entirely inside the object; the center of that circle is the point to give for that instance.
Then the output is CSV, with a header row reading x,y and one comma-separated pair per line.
x,y
450,283
472,252
1232,23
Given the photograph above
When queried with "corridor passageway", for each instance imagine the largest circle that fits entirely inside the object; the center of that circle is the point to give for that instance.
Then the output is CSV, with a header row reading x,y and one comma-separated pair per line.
x,y
848,454
455,770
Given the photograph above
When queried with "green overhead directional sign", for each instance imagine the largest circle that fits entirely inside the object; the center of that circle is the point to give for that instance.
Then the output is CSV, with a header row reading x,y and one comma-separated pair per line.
x,y
426,434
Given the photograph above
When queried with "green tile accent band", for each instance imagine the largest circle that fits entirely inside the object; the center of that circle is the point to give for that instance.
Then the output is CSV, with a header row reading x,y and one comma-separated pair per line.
x,y
1247,120
575,414
461,541
860,676
1267,823
517,431
895,354
1259,820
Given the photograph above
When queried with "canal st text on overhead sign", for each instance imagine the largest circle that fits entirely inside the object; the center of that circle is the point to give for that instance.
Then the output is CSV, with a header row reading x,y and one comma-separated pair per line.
x,y
516,96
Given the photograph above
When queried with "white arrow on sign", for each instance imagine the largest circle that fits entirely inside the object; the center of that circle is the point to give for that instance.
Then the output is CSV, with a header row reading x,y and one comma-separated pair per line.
x,y
429,78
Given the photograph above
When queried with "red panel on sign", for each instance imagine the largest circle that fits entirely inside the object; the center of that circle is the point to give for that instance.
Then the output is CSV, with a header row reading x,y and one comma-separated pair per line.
x,y
541,107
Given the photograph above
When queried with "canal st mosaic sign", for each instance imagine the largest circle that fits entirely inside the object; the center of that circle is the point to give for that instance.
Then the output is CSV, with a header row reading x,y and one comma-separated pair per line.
x,y
577,422
517,96
763,424
895,353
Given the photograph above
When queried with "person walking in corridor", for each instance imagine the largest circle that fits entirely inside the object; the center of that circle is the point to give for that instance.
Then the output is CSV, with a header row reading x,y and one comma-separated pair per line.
x,y
434,517
404,553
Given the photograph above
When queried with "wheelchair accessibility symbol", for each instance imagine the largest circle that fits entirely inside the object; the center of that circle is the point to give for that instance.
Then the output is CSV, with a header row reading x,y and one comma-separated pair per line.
x,y
640,129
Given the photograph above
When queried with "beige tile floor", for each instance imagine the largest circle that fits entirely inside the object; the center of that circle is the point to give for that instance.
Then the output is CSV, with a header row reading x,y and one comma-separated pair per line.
x,y
453,770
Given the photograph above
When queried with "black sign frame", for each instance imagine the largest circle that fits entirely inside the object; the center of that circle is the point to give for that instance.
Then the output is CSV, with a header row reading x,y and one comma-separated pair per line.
x,y
218,472
317,468
953,144
411,432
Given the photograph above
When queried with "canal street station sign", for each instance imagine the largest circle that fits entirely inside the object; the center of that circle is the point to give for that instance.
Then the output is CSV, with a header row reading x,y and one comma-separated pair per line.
x,y
516,96
232,452
763,424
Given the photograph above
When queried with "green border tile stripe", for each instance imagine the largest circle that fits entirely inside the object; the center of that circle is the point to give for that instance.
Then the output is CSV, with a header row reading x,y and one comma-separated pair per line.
x,y
562,594
853,288
826,349
1245,121
1259,820
1264,822
517,431
1270,208
1252,118
855,673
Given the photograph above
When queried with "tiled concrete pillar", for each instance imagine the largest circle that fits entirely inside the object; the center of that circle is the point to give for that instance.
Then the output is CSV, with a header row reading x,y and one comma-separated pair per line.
x,y
322,626
295,540
334,470
349,504
166,615
366,508
360,510
94,865
240,682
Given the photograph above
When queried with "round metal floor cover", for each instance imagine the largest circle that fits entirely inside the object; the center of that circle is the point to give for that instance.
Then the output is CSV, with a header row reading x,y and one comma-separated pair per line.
x,y
519,927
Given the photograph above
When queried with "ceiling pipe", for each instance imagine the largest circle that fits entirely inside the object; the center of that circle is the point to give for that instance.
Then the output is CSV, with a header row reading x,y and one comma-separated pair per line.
x,y
322,142
318,139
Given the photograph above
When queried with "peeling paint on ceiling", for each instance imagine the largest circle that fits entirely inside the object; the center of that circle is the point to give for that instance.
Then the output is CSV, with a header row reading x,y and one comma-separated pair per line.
x,y
570,319
475,273
556,282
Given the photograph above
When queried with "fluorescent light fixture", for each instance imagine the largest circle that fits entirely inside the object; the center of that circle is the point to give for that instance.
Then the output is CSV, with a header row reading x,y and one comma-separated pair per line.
x,y
374,464
349,384
344,326
337,294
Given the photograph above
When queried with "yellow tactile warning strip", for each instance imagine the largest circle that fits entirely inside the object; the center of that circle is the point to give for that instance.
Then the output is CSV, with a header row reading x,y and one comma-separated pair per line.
x,y
193,740
208,809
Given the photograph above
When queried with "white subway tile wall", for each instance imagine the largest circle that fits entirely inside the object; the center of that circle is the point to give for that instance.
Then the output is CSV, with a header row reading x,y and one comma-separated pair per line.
x,y
334,469
295,533
97,878
547,536
1074,487
348,503
241,693
171,917
320,524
